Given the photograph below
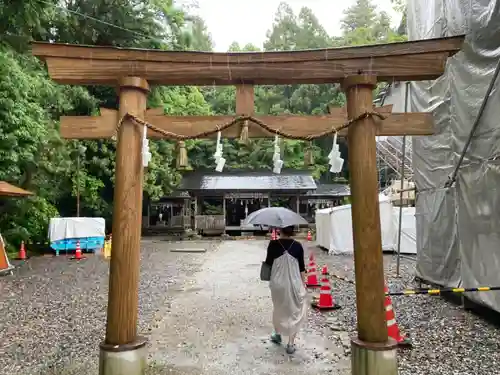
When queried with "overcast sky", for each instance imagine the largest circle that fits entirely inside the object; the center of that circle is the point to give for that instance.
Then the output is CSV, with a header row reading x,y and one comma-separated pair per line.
x,y
247,21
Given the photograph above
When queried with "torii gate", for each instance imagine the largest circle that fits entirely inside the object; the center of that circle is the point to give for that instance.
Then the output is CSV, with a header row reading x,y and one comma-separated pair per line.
x,y
358,69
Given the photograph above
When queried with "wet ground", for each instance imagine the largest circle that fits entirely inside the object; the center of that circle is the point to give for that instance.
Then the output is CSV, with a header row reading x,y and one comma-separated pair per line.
x,y
208,313
219,322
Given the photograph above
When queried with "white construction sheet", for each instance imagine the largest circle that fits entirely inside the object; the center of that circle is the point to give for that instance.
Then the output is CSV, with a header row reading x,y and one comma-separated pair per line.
x,y
61,228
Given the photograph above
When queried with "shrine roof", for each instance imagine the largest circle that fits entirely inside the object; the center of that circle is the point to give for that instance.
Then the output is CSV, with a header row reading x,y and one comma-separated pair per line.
x,y
289,180
331,190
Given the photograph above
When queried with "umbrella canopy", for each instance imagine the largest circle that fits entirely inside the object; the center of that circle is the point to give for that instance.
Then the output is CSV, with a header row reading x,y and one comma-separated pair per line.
x,y
278,217
8,190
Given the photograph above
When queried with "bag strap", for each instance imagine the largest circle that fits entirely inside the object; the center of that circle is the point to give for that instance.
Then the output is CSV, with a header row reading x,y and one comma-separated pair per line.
x,y
289,247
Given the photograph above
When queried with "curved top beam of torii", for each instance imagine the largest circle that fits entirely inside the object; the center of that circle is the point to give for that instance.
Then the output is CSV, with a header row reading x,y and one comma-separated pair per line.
x,y
405,61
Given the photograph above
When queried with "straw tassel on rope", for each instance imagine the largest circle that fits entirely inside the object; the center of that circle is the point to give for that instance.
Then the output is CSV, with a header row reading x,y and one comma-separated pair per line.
x,y
244,132
182,158
309,155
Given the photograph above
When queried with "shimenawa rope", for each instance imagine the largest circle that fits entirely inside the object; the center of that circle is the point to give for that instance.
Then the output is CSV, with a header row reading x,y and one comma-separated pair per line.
x,y
240,119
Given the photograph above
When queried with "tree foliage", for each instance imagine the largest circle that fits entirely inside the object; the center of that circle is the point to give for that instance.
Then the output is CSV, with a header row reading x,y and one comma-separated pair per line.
x,y
32,154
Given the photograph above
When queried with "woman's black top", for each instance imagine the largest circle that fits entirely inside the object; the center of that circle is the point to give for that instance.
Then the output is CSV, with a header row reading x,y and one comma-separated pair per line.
x,y
276,249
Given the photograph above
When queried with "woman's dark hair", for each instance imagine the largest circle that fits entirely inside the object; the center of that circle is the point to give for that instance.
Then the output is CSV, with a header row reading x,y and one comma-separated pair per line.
x,y
288,231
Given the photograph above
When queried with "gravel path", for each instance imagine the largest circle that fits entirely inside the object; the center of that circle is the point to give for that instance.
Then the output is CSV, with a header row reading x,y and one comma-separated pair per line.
x,y
53,314
54,309
447,339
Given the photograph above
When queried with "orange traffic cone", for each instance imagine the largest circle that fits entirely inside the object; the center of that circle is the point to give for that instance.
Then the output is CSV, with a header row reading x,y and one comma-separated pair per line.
x,y
22,252
78,252
325,294
324,271
392,325
309,235
312,274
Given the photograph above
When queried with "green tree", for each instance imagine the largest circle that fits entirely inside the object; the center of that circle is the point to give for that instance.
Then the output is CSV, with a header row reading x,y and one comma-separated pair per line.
x,y
24,21
249,47
33,155
282,37
199,39
31,152
362,24
399,5
362,15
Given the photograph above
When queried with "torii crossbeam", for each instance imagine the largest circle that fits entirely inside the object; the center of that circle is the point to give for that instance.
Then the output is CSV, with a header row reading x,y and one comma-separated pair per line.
x,y
358,69
103,126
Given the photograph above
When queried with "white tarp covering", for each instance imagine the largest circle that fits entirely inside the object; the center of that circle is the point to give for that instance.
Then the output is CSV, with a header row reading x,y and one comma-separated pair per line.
x,y
334,228
61,228
458,239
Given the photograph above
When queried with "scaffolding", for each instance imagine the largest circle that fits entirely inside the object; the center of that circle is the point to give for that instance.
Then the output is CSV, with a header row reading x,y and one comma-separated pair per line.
x,y
395,153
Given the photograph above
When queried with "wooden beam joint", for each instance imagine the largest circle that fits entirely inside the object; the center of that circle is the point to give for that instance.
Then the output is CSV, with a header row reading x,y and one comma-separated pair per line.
x,y
364,80
245,100
136,83
245,106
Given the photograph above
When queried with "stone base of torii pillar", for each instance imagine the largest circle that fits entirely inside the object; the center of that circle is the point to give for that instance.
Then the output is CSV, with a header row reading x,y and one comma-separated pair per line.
x,y
374,359
130,359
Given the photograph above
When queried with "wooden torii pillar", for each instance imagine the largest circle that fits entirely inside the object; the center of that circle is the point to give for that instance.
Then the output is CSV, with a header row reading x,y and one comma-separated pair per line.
x,y
358,69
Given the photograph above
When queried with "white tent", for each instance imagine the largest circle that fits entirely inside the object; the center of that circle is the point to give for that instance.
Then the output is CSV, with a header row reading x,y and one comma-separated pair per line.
x,y
334,228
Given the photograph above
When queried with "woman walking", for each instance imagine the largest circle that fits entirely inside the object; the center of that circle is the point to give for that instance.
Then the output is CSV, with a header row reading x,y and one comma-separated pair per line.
x,y
285,256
